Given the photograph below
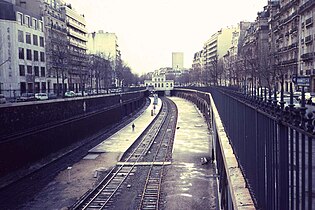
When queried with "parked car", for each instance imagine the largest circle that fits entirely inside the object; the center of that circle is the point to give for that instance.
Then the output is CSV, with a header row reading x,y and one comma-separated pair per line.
x,y
2,99
69,94
52,96
41,96
26,97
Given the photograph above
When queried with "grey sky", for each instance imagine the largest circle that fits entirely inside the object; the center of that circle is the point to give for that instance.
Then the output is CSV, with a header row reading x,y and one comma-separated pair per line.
x,y
150,30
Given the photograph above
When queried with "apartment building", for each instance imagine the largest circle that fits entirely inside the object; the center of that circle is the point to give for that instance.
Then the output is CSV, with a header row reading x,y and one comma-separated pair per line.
x,y
105,45
197,61
217,46
23,55
306,31
77,40
56,46
287,40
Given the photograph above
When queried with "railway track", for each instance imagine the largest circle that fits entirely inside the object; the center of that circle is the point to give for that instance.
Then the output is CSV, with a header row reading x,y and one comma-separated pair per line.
x,y
38,177
151,192
154,142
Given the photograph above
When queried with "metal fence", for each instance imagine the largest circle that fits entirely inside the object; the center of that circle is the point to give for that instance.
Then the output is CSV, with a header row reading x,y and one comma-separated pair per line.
x,y
273,142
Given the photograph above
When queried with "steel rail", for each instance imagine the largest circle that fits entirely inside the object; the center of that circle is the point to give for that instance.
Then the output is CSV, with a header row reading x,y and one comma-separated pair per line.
x,y
135,154
151,200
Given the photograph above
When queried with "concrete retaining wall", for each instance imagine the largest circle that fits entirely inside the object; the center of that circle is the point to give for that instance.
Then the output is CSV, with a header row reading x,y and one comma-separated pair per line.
x,y
47,127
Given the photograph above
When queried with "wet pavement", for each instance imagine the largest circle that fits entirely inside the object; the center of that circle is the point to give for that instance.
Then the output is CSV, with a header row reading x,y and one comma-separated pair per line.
x,y
188,183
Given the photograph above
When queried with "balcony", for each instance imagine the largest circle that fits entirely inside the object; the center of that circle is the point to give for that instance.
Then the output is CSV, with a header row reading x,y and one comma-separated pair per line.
x,y
306,6
289,18
309,22
289,62
307,56
288,5
294,29
77,35
308,39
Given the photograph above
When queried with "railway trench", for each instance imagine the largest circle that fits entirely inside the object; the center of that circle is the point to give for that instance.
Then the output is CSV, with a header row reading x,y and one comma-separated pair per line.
x,y
183,182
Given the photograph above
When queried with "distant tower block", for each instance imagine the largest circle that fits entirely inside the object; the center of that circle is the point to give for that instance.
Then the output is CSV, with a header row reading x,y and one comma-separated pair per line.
x,y
177,60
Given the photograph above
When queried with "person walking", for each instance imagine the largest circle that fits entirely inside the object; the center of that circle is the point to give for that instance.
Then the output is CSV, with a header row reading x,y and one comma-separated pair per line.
x,y
133,127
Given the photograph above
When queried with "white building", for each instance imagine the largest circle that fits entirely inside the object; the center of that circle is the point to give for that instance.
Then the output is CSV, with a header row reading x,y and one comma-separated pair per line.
x,y
22,54
106,46
103,44
217,46
177,60
160,83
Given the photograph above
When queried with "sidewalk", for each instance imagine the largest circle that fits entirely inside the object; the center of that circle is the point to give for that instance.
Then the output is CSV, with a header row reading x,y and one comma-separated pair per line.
x,y
72,183
188,183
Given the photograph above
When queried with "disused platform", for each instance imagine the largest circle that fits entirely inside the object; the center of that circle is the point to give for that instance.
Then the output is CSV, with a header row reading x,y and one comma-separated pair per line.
x,y
191,181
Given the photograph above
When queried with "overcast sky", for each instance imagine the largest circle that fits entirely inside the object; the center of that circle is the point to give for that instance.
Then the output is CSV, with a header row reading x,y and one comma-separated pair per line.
x,y
150,30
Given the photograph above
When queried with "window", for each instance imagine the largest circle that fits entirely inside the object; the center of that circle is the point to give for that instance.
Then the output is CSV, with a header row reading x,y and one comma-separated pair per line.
x,y
43,87
42,56
22,70
36,71
41,26
27,21
42,71
35,40
29,70
23,87
20,36
20,18
28,38
35,23
28,54
21,53
35,55
41,41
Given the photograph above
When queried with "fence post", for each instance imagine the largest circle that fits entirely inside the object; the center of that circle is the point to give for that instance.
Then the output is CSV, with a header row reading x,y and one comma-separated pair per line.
x,y
283,167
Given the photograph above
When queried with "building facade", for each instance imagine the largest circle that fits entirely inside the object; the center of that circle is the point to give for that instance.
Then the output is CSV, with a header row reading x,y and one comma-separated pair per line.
x,y
77,61
306,31
106,46
23,55
159,82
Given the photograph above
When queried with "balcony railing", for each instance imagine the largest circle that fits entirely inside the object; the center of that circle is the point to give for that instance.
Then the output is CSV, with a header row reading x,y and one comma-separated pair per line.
x,y
306,5
307,56
288,5
309,22
308,39
293,15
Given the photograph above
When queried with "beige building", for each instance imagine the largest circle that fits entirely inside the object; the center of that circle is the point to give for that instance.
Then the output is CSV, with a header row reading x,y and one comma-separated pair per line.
x,y
177,60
